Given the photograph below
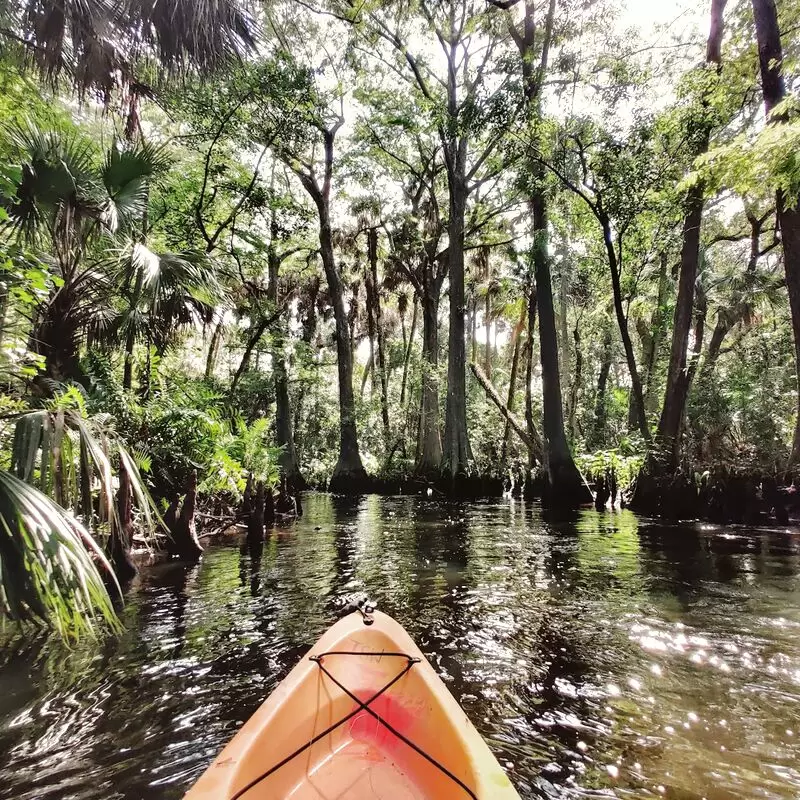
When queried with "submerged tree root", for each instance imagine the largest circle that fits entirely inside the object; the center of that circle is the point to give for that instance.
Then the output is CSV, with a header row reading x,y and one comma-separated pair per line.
x,y
720,495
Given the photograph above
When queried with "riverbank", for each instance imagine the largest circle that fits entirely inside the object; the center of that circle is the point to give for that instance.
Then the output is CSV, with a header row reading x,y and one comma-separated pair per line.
x,y
718,496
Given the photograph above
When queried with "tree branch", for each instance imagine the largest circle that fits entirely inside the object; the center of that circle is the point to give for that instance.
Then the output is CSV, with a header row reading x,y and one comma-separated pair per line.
x,y
534,445
201,199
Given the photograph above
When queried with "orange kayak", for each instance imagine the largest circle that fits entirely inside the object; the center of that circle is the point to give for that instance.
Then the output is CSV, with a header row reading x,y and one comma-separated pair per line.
x,y
362,717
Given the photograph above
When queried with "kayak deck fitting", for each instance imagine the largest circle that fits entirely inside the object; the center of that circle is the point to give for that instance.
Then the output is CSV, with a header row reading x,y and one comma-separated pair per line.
x,y
363,716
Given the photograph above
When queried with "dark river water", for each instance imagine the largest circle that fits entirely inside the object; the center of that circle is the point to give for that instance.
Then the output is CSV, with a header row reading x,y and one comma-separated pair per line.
x,y
603,656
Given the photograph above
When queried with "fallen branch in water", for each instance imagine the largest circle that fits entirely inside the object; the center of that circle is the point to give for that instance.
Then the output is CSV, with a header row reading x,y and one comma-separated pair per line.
x,y
215,517
218,531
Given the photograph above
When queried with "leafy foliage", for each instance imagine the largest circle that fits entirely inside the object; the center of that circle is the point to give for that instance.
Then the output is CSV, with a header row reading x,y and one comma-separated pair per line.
x,y
50,566
66,454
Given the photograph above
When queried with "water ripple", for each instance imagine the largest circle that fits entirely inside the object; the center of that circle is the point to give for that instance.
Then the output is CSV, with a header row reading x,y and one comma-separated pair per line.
x,y
600,656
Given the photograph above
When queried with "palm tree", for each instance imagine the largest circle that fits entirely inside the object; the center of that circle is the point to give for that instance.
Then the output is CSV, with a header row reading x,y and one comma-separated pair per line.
x,y
85,214
75,206
162,293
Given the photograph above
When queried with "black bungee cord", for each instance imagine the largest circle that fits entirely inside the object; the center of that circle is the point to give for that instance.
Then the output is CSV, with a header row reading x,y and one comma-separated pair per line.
x,y
361,706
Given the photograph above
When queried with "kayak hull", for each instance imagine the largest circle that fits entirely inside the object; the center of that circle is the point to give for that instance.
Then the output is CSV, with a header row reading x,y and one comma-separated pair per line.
x,y
410,741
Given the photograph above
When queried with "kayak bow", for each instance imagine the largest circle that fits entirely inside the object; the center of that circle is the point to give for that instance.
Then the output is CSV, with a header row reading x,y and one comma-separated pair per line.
x,y
363,716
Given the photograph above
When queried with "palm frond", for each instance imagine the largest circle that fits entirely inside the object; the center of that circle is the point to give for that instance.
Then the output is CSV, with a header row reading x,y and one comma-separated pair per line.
x,y
72,36
63,451
142,261
126,175
124,164
164,291
97,42
144,501
58,183
185,33
50,567
192,275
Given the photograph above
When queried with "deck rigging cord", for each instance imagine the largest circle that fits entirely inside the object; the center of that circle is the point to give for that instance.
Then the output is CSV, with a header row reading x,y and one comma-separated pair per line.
x,y
361,706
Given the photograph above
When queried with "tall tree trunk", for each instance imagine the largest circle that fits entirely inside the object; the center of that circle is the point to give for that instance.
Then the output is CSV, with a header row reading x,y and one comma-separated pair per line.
x,y
487,321
576,383
473,327
146,373
531,338
309,331
349,475
770,56
429,443
456,453
563,336
284,433
512,378
383,376
127,370
600,401
473,323
3,311
721,330
566,487
655,336
257,332
407,351
677,389
701,311
622,322
369,369
349,471
402,307
352,319
367,372
213,350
